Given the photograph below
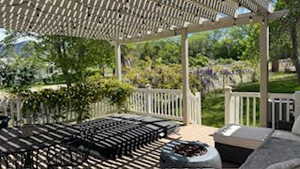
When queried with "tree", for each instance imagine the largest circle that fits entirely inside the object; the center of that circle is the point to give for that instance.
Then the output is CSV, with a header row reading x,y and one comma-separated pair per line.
x,y
287,28
74,55
251,51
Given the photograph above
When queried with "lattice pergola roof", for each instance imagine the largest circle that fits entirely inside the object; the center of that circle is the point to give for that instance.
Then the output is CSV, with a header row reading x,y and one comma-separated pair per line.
x,y
117,20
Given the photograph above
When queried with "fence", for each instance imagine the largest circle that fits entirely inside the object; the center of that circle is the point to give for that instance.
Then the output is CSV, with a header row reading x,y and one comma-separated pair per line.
x,y
163,103
13,108
243,108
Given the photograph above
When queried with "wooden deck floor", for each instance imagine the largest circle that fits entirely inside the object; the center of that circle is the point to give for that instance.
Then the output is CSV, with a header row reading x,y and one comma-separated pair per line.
x,y
148,157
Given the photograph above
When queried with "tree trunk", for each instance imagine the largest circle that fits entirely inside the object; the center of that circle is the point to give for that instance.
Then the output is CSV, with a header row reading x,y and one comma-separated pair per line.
x,y
295,49
66,76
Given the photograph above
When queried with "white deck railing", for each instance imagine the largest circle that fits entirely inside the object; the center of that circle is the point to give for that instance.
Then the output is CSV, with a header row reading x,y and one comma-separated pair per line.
x,y
157,102
243,108
164,103
13,108
196,108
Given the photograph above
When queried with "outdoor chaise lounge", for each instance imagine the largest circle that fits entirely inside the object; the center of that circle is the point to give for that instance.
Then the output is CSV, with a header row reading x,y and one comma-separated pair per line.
x,y
258,148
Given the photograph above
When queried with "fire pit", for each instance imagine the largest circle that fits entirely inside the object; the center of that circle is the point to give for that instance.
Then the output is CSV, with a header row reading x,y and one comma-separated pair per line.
x,y
185,154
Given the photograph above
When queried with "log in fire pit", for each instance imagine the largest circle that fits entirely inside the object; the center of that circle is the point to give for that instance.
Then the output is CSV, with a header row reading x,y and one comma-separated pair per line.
x,y
185,154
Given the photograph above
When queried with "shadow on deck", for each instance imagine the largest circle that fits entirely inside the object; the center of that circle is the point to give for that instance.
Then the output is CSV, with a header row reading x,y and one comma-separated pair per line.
x,y
148,156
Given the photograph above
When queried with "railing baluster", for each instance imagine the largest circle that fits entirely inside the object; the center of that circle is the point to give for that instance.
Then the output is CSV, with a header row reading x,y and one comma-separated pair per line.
x,y
176,105
235,112
248,111
273,114
180,107
288,110
254,111
280,109
169,105
242,110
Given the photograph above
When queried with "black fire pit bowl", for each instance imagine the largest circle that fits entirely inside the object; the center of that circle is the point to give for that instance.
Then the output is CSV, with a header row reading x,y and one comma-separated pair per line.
x,y
170,158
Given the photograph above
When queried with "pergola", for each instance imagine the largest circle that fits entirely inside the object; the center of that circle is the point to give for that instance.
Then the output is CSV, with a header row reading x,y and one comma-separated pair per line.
x,y
128,21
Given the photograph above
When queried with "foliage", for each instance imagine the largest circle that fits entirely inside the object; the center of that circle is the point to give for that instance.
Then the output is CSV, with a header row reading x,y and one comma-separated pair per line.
x,y
206,77
71,55
76,98
286,32
240,68
199,60
74,55
159,76
18,75
160,52
223,61
116,91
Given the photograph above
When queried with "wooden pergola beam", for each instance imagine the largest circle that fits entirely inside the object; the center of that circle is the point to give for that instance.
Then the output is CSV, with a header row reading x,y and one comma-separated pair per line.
x,y
263,6
225,22
227,7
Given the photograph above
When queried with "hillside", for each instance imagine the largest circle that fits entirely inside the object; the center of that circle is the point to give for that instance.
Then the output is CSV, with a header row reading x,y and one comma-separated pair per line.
x,y
17,48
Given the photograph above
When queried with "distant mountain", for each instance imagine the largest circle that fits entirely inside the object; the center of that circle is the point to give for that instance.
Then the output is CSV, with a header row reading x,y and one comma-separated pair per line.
x,y
17,48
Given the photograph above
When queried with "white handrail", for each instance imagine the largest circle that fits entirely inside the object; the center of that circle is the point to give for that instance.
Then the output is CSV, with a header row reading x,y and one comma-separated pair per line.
x,y
13,107
242,107
163,103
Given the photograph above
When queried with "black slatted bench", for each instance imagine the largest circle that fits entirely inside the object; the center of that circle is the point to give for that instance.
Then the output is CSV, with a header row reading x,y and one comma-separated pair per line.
x,y
115,136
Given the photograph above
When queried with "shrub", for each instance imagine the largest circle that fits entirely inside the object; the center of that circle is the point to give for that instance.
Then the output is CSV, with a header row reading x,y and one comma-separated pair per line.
x,y
160,76
76,98
116,91
225,61
199,60
16,77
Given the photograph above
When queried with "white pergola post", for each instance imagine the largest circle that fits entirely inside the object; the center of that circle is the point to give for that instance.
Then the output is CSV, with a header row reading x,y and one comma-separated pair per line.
x,y
264,72
118,61
185,76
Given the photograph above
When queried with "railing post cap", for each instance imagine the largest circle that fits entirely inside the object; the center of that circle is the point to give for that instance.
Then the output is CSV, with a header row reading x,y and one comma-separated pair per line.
x,y
228,88
148,86
297,95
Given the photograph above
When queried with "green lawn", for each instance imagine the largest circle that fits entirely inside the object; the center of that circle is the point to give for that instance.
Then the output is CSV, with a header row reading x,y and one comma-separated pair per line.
x,y
213,103
279,83
213,109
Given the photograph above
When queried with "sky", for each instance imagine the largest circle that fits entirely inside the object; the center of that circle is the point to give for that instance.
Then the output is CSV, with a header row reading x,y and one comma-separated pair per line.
x,y
1,34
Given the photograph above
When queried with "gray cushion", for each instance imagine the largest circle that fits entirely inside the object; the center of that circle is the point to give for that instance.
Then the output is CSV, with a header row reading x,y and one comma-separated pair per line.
x,y
290,164
296,126
274,150
286,135
242,136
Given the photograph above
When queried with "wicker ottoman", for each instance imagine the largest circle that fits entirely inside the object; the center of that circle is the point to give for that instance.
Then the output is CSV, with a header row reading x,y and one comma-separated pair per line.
x,y
235,143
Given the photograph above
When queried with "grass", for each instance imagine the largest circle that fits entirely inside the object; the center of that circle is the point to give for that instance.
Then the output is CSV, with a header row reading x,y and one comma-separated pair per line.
x,y
279,83
213,109
213,103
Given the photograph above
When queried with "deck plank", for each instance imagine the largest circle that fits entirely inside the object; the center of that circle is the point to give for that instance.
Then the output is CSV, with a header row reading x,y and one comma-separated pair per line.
x,y
148,156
